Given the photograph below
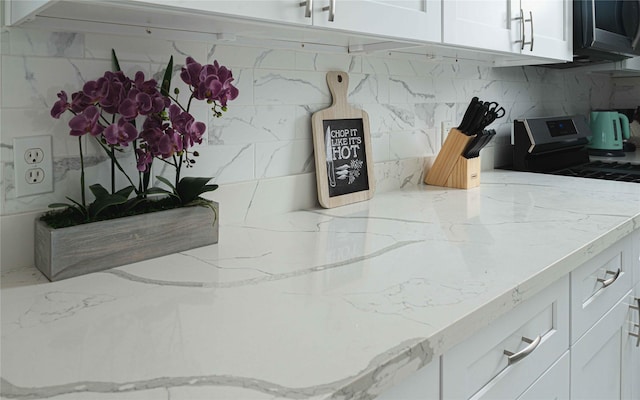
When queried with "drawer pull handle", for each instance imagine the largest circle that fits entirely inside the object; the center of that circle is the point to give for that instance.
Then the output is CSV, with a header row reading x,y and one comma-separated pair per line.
x,y
515,357
636,307
332,10
608,282
308,7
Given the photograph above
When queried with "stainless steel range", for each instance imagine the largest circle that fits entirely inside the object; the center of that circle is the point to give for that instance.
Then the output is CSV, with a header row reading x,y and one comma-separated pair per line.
x,y
558,146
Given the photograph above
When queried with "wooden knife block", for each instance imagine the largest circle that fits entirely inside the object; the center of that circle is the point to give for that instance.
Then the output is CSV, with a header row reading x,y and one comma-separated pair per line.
x,y
450,168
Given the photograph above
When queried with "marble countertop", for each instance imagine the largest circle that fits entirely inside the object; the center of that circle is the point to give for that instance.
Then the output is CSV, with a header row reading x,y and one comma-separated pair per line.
x,y
338,303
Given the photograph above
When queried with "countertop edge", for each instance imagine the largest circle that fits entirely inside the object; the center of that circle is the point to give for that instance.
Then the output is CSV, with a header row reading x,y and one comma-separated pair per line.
x,y
373,381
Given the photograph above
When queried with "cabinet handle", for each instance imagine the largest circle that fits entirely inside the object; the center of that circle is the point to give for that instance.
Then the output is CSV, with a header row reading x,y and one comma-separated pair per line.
x,y
530,43
515,357
308,6
608,282
332,10
636,307
521,19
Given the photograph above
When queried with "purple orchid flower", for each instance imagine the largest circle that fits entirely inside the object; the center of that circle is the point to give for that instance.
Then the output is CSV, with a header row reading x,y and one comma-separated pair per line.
x,y
122,133
191,72
144,159
60,106
86,122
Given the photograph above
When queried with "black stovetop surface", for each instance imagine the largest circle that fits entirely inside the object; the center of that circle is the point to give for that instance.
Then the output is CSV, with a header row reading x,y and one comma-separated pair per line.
x,y
609,170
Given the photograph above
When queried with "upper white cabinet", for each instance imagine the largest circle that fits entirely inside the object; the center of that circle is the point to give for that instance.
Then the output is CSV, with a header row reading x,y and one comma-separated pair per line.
x,y
416,20
540,28
402,19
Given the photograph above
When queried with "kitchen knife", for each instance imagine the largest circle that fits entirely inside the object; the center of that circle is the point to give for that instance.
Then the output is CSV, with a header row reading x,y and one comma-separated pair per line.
x,y
473,148
475,124
468,115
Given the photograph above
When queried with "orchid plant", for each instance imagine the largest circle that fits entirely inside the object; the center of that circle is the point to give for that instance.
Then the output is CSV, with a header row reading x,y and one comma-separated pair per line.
x,y
121,113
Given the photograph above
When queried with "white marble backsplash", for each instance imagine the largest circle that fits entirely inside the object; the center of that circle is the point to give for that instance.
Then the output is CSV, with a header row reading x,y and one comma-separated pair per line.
x,y
261,151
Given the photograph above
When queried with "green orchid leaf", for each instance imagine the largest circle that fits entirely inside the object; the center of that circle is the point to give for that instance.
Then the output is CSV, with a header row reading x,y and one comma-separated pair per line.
x,y
125,192
114,60
76,203
59,205
166,80
166,182
99,191
133,203
159,191
189,188
102,203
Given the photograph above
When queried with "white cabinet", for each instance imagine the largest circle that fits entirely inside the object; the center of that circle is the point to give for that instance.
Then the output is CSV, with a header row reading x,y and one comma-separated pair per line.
x,y
269,10
604,357
540,28
631,347
601,359
421,385
401,19
553,384
599,284
488,365
418,20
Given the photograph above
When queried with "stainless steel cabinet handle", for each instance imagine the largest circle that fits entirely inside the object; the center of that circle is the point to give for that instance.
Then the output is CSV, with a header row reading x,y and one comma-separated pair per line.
x,y
332,10
515,357
636,307
521,19
530,43
308,7
608,282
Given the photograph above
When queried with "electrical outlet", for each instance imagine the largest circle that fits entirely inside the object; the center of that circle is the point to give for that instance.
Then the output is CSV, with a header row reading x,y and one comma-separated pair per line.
x,y
33,165
446,126
34,156
35,176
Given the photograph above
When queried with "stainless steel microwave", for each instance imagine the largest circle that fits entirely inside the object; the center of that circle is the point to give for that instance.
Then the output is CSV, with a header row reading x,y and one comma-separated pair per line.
x,y
605,30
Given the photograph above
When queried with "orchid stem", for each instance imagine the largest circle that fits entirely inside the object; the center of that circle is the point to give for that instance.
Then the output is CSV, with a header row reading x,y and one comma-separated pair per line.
x,y
114,160
113,170
84,201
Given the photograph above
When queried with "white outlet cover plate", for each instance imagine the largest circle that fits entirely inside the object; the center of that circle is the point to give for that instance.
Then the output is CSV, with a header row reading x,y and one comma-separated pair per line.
x,y
21,167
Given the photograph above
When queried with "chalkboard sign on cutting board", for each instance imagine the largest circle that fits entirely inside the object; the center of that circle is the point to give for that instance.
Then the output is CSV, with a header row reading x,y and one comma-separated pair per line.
x,y
342,146
346,158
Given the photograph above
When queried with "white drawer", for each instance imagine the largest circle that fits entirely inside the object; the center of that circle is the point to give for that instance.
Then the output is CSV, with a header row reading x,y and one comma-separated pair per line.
x,y
478,367
595,288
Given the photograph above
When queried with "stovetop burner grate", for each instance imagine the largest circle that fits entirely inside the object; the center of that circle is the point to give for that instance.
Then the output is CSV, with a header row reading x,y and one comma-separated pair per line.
x,y
613,171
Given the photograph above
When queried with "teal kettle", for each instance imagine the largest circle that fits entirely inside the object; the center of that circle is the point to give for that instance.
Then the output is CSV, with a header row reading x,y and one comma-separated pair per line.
x,y
608,129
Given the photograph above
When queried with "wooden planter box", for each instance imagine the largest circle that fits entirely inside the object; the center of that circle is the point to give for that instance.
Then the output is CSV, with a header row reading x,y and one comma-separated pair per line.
x,y
78,250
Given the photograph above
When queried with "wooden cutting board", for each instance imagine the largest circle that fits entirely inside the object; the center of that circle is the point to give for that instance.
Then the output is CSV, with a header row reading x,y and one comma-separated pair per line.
x,y
342,145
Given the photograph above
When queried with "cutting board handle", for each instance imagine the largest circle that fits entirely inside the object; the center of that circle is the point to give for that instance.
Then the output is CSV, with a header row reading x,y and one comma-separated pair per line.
x,y
338,82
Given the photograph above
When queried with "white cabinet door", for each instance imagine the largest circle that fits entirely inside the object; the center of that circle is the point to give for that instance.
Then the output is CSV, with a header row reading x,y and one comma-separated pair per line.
x,y
551,28
486,24
268,10
631,349
598,363
400,19
540,28
553,384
